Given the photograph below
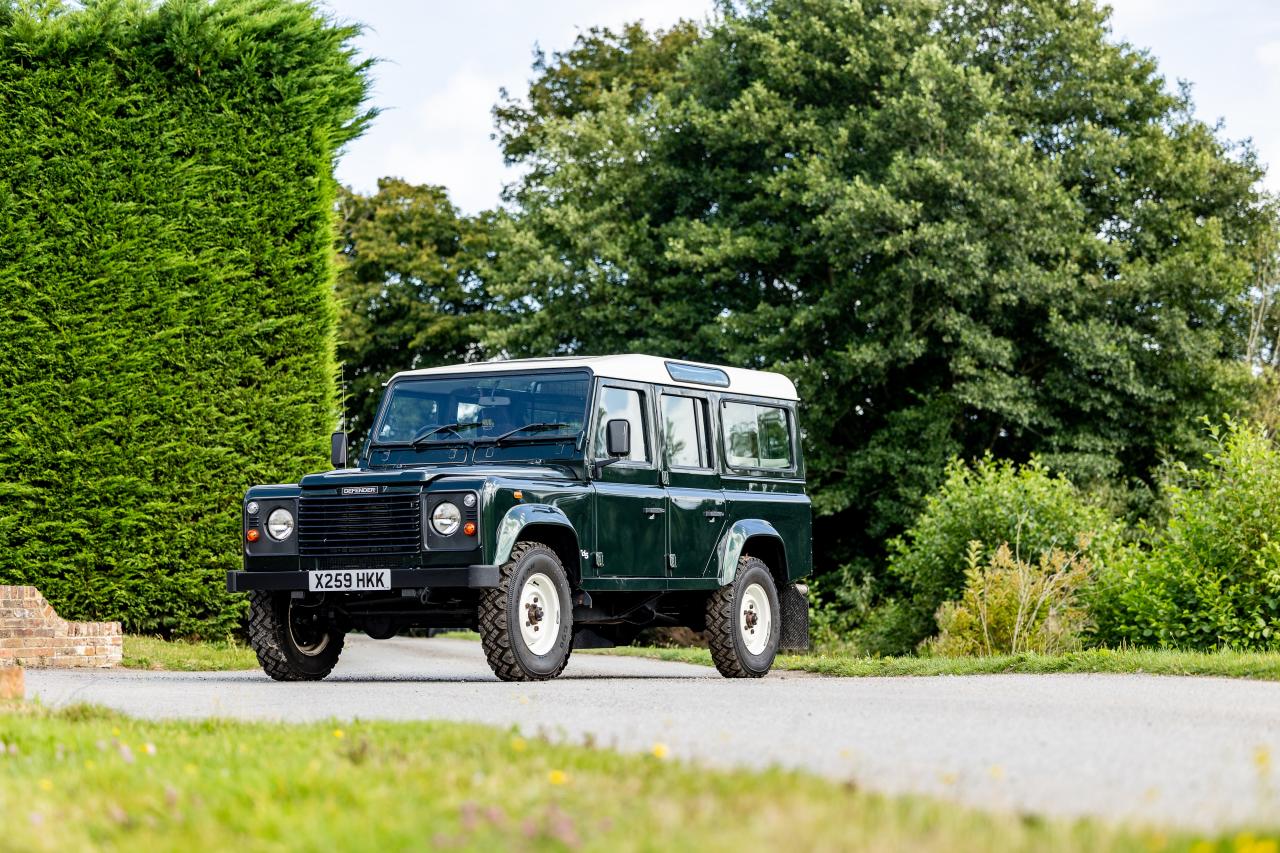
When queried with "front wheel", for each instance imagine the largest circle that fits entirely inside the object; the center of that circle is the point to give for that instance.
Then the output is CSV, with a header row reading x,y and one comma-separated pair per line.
x,y
742,622
526,622
294,640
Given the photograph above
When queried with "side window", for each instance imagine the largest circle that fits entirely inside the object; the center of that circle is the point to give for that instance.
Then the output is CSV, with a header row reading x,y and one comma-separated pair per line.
x,y
756,436
624,403
684,430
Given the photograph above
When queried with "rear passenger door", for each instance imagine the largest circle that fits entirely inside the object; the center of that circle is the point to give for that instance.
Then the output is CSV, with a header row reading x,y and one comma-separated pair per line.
x,y
696,505
631,504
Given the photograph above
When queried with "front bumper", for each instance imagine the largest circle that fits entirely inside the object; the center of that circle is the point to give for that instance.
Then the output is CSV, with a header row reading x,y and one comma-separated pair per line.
x,y
473,577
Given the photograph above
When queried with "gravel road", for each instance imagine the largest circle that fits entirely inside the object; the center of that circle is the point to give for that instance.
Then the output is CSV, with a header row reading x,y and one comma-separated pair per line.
x,y
1195,752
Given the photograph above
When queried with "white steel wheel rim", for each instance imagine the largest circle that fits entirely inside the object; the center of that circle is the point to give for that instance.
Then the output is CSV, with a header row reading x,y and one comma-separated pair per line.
x,y
755,622
539,614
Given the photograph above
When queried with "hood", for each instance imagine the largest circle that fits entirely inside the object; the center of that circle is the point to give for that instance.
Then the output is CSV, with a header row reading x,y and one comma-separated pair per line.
x,y
426,474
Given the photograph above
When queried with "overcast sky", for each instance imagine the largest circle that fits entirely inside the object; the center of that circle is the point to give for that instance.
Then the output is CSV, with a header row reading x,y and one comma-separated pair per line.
x,y
443,64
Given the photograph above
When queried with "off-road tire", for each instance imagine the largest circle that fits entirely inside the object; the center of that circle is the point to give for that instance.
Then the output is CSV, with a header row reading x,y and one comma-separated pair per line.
x,y
508,656
278,654
724,635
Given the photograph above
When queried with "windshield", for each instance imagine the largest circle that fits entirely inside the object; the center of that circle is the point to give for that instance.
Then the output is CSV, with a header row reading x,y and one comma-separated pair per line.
x,y
472,409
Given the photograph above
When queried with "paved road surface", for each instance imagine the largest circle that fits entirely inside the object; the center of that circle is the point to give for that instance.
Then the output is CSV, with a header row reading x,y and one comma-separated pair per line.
x,y
1199,752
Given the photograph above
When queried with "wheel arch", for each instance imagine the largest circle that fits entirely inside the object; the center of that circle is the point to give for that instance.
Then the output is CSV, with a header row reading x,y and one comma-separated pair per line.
x,y
541,523
753,537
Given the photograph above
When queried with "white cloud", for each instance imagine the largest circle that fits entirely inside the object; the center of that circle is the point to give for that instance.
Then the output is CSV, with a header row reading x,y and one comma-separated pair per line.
x,y
1268,54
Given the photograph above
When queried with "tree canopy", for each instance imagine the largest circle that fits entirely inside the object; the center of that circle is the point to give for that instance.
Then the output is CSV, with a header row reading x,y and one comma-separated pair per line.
x,y
408,287
962,228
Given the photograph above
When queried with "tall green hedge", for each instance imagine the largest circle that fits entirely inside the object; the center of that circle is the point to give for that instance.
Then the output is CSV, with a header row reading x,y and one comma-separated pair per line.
x,y
166,309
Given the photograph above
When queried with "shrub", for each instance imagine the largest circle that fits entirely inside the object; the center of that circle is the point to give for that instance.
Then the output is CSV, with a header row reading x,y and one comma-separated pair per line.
x,y
992,502
1211,577
166,197
1011,606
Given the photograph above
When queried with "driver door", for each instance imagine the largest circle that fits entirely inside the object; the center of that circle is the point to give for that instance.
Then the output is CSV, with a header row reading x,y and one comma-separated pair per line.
x,y
630,502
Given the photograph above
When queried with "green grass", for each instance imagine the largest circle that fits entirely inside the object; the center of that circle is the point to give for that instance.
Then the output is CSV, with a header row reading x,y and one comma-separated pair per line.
x,y
153,653
1258,665
86,778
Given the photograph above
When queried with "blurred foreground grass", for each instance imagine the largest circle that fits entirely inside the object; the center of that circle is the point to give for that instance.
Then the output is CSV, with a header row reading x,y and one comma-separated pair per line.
x,y
87,778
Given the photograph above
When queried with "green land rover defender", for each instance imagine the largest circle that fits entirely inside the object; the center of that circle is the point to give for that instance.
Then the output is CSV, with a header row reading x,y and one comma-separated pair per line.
x,y
549,504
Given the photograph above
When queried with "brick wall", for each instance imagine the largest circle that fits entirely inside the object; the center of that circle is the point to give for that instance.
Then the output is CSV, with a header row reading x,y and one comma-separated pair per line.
x,y
33,634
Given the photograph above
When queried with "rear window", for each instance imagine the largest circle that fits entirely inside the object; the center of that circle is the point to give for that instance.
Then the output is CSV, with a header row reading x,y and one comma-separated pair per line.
x,y
756,436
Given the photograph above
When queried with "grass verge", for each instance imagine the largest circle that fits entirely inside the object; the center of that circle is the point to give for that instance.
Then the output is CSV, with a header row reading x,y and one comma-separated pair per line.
x,y
1258,665
154,653
86,778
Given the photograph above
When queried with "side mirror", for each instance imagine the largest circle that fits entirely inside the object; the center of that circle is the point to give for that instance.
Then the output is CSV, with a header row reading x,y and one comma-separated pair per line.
x,y
617,438
338,449
617,444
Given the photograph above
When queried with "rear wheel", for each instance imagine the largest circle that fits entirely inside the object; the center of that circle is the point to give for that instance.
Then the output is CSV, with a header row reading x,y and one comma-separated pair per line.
x,y
743,626
526,622
294,640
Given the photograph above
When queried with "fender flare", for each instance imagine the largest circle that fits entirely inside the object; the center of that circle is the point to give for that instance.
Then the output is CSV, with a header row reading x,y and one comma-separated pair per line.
x,y
731,543
521,516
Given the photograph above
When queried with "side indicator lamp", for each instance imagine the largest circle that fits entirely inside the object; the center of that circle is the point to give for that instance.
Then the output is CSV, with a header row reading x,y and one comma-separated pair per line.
x,y
469,528
252,534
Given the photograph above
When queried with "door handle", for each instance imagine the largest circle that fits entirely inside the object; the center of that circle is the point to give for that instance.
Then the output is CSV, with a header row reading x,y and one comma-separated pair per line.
x,y
714,513
654,510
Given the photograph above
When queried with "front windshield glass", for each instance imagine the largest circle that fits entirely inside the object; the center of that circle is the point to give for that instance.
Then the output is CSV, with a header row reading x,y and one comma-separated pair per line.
x,y
477,408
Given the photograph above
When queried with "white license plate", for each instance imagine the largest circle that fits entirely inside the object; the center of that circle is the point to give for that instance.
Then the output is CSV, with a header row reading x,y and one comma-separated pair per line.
x,y
349,580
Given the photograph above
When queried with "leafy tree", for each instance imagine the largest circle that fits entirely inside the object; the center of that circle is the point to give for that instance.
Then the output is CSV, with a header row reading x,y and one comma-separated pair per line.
x,y
962,228
408,286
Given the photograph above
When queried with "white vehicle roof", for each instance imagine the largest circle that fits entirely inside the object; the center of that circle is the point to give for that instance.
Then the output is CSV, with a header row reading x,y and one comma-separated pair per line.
x,y
635,368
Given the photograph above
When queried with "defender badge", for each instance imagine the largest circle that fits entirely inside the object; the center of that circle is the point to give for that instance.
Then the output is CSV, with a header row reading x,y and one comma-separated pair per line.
x,y
359,490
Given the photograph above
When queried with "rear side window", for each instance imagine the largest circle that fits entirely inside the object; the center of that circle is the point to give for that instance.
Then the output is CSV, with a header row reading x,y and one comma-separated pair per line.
x,y
756,436
684,432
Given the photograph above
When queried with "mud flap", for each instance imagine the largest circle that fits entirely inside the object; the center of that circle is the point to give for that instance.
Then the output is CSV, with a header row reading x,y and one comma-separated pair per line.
x,y
793,600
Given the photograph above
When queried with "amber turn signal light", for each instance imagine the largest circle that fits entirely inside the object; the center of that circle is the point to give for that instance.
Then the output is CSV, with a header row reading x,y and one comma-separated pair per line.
x,y
469,528
252,534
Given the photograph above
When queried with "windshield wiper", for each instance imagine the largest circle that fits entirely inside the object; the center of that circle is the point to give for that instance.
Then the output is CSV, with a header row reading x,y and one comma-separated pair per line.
x,y
541,426
421,438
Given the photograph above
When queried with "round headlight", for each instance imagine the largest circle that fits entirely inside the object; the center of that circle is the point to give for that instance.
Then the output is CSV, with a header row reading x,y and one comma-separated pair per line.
x,y
446,518
280,524
251,507
469,500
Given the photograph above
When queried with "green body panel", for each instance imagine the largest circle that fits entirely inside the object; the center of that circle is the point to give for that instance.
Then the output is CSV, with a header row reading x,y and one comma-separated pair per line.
x,y
783,511
630,536
560,504
696,520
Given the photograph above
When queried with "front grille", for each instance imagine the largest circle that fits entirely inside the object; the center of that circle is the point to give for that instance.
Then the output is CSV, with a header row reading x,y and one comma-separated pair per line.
x,y
370,524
